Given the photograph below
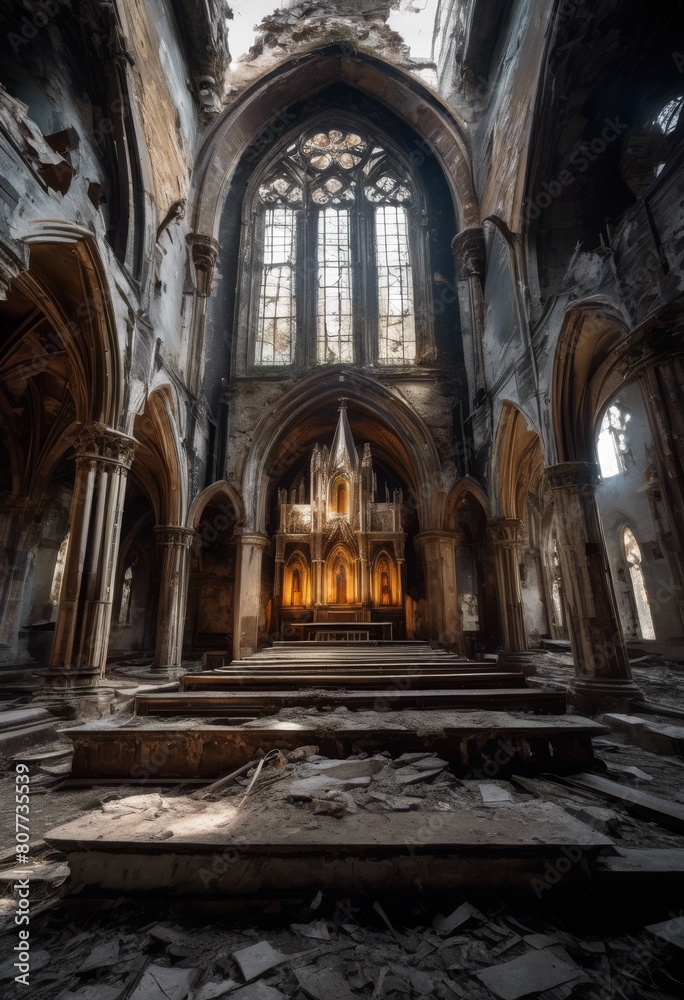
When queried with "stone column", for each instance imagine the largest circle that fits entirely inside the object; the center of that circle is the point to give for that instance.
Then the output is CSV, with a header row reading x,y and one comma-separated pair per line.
x,y
468,249
204,252
173,543
438,552
248,593
15,518
79,652
602,675
663,396
505,535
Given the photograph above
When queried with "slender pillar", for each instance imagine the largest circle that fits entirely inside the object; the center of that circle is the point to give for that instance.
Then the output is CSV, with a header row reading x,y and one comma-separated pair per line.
x,y
173,542
468,249
15,534
79,652
204,252
248,593
602,674
438,552
663,395
505,535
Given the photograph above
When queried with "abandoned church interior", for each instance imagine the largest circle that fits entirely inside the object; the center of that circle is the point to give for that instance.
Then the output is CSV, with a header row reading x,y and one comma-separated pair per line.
x,y
342,499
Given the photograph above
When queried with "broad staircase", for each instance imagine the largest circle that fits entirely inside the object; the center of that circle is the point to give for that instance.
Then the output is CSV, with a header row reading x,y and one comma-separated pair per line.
x,y
379,675
358,703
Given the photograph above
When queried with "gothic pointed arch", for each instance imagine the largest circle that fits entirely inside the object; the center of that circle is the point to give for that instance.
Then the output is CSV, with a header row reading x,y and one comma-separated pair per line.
x,y
265,109
159,463
297,581
286,431
213,494
340,585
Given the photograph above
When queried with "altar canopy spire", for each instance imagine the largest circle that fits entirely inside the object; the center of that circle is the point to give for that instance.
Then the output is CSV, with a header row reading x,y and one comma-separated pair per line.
x,y
343,451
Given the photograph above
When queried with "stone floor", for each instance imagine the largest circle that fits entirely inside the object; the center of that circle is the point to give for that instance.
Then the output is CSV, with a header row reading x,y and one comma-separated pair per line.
x,y
550,940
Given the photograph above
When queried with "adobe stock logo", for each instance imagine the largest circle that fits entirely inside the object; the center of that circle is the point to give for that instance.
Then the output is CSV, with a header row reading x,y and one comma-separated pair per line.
x,y
579,162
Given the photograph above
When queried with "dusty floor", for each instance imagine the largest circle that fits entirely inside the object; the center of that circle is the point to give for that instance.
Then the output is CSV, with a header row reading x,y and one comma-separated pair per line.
x,y
338,949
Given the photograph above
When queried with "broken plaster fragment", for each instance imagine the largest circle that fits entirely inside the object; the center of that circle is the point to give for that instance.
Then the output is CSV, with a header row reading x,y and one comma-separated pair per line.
x,y
257,959
323,984
460,916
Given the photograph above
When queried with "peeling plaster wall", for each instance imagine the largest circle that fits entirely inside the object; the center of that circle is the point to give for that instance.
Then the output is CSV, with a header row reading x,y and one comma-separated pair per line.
x,y
501,139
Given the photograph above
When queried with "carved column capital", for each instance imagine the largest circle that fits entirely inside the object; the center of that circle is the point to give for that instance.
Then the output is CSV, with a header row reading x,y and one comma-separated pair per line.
x,y
97,442
204,252
506,532
252,538
173,535
468,248
573,476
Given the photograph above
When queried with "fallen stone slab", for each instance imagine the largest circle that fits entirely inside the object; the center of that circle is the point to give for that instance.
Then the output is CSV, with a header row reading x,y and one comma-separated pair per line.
x,y
323,984
161,982
597,817
671,930
657,737
257,959
535,972
101,956
667,814
460,916
493,794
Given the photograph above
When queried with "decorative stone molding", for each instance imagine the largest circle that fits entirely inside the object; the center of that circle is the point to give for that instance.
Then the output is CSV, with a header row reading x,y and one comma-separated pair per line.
x,y
204,252
506,532
173,535
97,442
572,475
468,248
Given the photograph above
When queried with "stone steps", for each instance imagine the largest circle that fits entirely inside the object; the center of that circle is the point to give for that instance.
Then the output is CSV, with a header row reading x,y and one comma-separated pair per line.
x,y
493,743
268,702
316,679
206,849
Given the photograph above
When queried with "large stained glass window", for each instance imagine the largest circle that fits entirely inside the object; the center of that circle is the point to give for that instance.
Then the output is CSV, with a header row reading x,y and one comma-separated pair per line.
x,y
335,244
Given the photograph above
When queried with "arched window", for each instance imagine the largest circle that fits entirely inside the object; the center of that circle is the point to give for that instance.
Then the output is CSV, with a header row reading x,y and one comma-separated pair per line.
x,y
126,592
58,575
341,497
614,453
334,246
633,558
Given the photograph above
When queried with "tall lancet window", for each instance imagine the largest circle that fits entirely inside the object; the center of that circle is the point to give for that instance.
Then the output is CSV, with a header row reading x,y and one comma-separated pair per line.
x,y
335,244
